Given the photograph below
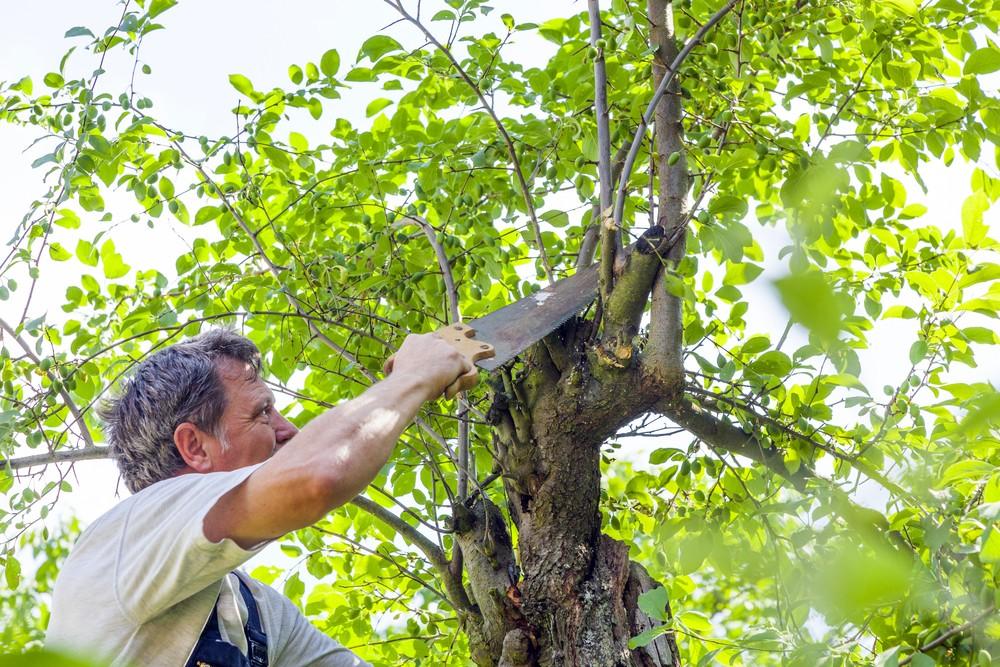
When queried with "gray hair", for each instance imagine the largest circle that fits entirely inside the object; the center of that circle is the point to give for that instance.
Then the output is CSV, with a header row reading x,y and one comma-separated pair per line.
x,y
178,384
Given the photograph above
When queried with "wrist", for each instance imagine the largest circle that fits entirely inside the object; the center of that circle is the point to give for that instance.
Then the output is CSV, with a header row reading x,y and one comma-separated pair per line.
x,y
413,384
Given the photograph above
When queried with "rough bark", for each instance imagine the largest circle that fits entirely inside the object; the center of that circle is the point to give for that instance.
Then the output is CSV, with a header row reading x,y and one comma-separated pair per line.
x,y
575,600
666,318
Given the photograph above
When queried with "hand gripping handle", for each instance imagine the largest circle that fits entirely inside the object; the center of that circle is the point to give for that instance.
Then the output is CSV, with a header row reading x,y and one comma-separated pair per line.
x,y
462,338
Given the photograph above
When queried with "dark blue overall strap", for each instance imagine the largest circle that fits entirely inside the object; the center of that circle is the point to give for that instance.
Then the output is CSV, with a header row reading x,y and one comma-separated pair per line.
x,y
212,651
254,629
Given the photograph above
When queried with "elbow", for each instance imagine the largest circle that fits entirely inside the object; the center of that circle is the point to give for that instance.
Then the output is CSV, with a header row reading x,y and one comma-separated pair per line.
x,y
329,486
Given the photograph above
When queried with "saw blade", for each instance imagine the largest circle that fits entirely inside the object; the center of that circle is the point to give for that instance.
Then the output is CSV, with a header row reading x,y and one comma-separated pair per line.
x,y
514,327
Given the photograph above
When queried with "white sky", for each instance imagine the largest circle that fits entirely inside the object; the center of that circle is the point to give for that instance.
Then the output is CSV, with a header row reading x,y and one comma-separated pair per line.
x,y
191,60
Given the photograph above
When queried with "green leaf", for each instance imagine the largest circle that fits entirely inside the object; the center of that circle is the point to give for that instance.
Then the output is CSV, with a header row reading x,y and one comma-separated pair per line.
x,y
242,84
12,571
982,411
664,454
67,218
79,31
53,80
377,46
112,262
845,380
898,311
330,63
990,551
774,363
850,151
315,108
741,273
812,303
647,636
971,469
376,105
972,218
166,187
206,214
157,7
86,252
983,61
696,622
294,588
888,658
654,603
907,7
59,253
918,351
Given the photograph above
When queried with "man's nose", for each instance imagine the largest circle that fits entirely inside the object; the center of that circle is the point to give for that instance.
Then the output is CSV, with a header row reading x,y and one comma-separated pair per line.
x,y
284,430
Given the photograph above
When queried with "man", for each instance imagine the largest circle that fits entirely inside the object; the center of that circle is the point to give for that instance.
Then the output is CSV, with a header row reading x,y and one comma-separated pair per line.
x,y
216,474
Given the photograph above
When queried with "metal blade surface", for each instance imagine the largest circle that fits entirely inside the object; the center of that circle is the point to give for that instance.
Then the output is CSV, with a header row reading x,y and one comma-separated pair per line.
x,y
516,326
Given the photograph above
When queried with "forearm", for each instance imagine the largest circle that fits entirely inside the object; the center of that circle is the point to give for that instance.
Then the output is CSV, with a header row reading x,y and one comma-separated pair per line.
x,y
329,462
354,440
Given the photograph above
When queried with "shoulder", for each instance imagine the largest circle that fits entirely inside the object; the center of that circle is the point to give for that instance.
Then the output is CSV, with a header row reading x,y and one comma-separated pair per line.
x,y
175,500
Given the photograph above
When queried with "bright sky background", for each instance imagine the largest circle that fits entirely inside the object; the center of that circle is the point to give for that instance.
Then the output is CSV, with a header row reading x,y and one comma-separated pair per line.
x,y
191,60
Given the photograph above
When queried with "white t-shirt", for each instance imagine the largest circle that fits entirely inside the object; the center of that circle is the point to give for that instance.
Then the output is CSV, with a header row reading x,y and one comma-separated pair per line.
x,y
141,581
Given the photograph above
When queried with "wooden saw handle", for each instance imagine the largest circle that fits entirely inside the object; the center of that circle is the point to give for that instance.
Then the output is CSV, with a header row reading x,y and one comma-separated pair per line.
x,y
462,338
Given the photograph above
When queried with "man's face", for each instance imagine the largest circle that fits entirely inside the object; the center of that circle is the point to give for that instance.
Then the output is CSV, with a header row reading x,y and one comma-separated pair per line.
x,y
251,427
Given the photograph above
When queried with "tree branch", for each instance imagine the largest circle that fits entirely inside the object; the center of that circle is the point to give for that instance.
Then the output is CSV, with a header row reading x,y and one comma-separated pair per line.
x,y
588,245
666,330
435,556
451,292
854,462
651,108
726,436
462,412
508,142
948,635
610,234
58,456
70,403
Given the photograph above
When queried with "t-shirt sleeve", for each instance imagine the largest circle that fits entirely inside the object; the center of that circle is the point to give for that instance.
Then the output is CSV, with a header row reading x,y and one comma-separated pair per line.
x,y
163,556
298,642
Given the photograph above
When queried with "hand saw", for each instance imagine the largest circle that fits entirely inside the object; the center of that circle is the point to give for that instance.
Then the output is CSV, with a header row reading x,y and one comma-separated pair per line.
x,y
493,340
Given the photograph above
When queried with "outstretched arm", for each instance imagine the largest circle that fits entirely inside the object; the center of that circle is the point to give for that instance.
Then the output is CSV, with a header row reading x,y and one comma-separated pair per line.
x,y
337,454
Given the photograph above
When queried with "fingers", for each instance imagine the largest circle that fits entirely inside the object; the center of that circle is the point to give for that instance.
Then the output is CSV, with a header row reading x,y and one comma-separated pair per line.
x,y
466,381
437,361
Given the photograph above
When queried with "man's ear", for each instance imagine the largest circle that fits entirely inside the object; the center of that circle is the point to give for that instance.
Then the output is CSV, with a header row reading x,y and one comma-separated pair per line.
x,y
192,443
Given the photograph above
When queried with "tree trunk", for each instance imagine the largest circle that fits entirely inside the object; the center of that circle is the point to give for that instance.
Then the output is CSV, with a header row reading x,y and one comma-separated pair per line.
x,y
574,600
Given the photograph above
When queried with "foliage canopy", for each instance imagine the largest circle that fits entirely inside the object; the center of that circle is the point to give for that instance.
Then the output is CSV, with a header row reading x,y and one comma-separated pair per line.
x,y
872,534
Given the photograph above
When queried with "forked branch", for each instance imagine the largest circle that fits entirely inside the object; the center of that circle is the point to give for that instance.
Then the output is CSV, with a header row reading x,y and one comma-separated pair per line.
x,y
647,116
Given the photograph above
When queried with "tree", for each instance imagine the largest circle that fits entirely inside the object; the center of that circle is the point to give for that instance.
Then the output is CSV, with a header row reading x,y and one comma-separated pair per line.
x,y
659,142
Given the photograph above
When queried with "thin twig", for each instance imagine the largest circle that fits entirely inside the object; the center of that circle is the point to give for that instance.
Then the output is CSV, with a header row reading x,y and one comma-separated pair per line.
x,y
451,292
948,635
511,150
435,556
